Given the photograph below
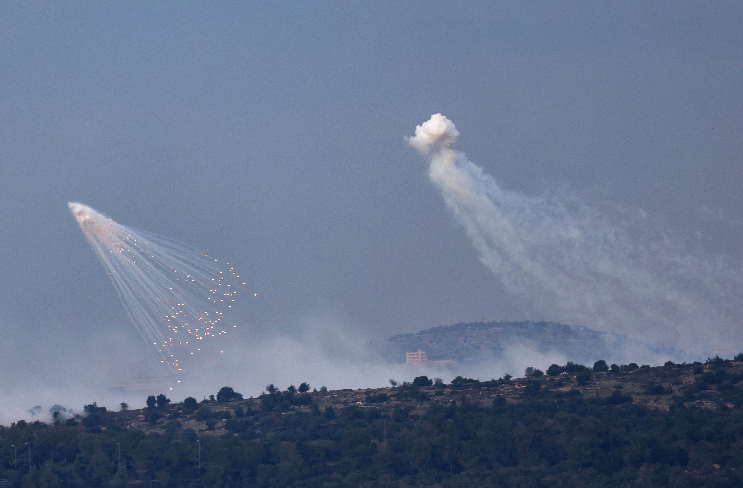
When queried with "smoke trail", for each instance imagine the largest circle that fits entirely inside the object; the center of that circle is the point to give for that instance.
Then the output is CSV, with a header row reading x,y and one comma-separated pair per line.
x,y
577,264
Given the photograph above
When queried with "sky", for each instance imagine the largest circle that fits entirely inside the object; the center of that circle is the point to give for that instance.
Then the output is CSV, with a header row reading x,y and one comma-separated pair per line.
x,y
274,135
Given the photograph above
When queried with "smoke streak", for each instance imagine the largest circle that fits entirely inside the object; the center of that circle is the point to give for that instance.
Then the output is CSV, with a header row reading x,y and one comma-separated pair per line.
x,y
577,264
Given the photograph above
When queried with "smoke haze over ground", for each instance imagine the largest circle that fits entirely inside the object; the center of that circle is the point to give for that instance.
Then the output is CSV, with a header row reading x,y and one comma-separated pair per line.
x,y
270,135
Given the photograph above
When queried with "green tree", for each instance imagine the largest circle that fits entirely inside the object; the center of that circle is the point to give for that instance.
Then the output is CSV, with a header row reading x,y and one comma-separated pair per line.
x,y
531,372
555,370
190,405
422,381
162,401
227,394
600,366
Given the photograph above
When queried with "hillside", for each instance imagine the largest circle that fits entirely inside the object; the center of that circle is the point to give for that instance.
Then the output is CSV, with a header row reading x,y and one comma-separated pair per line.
x,y
473,342
674,425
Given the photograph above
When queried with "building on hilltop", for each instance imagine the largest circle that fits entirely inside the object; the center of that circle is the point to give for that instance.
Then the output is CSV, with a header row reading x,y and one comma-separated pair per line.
x,y
416,358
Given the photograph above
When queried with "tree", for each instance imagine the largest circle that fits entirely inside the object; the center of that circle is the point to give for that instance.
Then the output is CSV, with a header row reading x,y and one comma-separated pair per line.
x,y
291,389
227,394
95,416
304,388
533,372
190,405
600,366
162,400
422,381
271,389
555,370
151,401
571,368
124,406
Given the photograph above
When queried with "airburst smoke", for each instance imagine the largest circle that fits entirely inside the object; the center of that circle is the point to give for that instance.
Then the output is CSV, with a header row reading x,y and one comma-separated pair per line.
x,y
570,262
174,294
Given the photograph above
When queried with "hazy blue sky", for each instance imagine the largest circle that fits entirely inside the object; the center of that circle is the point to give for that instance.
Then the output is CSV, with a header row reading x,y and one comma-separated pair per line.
x,y
272,134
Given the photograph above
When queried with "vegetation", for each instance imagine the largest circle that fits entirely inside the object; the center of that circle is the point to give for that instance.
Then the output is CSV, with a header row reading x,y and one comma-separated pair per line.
x,y
675,425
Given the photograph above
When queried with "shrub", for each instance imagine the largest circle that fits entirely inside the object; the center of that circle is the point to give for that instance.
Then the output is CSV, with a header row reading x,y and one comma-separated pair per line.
x,y
329,413
583,378
532,388
656,389
617,398
205,413
377,398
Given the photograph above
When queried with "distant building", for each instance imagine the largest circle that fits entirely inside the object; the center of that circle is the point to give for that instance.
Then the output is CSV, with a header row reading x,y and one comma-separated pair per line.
x,y
415,358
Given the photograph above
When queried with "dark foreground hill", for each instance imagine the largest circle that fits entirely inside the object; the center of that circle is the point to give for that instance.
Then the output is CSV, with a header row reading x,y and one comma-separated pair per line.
x,y
468,343
674,425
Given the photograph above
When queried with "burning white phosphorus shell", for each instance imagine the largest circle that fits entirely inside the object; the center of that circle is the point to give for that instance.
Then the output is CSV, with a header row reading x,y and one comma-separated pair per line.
x,y
174,294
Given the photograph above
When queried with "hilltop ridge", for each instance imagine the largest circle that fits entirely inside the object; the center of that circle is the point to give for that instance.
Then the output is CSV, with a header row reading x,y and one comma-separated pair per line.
x,y
606,425
479,341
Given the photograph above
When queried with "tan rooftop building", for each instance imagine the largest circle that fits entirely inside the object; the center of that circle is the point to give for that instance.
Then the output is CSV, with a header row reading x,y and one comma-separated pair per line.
x,y
418,357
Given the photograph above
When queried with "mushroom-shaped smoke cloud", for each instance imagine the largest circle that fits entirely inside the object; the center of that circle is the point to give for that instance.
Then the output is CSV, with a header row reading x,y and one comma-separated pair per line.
x,y
437,131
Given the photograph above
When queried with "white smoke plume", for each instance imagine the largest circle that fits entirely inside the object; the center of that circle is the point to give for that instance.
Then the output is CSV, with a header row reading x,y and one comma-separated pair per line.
x,y
577,264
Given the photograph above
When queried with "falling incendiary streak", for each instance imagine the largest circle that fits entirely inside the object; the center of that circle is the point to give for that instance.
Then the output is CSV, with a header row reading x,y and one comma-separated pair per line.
x,y
174,294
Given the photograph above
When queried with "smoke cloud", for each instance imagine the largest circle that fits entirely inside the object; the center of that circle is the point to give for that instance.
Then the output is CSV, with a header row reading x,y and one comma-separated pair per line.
x,y
571,262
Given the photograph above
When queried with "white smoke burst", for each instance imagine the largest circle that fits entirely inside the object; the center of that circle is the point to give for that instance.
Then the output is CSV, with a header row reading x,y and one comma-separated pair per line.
x,y
175,295
577,264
